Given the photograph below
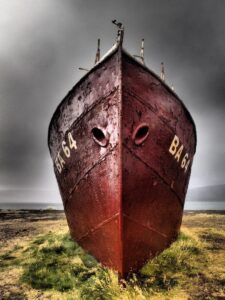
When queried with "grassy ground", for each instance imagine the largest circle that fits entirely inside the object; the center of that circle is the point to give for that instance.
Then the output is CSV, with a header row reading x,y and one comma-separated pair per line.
x,y
38,260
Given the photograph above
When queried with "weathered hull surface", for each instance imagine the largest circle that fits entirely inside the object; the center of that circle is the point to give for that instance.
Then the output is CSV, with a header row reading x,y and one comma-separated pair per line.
x,y
122,144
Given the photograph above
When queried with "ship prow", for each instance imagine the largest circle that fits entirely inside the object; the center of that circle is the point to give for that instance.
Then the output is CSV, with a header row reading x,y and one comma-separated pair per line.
x,y
122,144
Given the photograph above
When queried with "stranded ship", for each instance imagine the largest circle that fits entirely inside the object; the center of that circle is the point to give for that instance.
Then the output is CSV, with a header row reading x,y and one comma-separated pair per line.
x,y
122,145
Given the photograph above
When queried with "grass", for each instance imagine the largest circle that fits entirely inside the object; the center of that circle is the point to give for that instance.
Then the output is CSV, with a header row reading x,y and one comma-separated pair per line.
x,y
184,259
214,239
53,266
55,262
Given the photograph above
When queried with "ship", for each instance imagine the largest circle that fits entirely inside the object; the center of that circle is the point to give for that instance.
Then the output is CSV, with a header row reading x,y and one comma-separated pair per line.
x,y
122,144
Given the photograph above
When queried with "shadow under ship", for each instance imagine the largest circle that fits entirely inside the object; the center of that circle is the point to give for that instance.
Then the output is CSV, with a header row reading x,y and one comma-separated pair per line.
x,y
122,144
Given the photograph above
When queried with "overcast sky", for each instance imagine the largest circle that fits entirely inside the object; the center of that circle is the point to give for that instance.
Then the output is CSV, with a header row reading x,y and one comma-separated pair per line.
x,y
43,42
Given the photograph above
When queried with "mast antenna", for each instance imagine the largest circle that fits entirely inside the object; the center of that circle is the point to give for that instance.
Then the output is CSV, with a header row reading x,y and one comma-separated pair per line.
x,y
119,39
97,57
141,56
162,75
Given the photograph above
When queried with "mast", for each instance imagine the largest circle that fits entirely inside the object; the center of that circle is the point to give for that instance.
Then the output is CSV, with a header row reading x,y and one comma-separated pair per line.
x,y
141,56
162,75
142,51
97,57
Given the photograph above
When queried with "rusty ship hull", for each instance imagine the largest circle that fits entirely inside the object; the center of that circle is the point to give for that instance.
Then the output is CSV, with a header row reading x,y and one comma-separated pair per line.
x,y
122,144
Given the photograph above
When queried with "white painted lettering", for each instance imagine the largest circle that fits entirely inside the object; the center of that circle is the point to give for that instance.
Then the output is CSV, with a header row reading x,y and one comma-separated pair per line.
x,y
174,145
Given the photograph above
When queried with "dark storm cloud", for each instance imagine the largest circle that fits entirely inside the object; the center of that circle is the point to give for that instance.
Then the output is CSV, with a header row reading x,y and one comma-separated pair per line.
x,y
44,42
188,35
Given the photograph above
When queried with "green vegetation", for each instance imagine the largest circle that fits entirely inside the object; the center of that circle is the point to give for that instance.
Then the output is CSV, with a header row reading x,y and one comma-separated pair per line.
x,y
55,262
9,259
184,259
53,266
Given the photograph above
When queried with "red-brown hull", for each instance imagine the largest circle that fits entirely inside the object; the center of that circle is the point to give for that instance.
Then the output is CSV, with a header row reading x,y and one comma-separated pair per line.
x,y
123,190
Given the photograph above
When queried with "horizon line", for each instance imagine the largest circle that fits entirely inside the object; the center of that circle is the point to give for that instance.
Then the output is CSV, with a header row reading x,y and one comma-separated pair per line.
x,y
37,189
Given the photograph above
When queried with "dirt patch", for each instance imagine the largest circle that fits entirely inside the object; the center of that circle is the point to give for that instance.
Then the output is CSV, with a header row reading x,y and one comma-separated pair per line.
x,y
207,288
215,241
31,215
204,220
10,231
12,292
20,224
